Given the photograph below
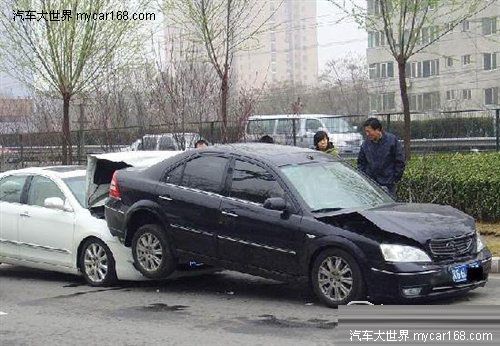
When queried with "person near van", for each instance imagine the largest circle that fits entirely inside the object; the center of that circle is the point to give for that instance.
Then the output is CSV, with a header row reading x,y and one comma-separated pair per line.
x,y
201,144
322,143
266,139
381,156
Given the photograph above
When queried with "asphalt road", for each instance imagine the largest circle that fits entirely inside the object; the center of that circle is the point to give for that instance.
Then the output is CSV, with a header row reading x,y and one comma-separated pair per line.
x,y
227,308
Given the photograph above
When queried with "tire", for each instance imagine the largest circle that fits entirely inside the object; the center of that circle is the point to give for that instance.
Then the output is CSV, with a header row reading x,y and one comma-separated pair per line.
x,y
152,254
336,278
97,264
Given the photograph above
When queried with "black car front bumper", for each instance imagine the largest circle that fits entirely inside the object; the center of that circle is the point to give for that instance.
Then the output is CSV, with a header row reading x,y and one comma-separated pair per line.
x,y
396,283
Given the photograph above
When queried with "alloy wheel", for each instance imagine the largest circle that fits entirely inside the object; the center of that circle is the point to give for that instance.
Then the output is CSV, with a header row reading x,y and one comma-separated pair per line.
x,y
149,252
335,278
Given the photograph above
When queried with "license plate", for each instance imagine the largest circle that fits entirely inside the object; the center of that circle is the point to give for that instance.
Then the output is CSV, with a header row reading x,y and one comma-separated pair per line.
x,y
459,272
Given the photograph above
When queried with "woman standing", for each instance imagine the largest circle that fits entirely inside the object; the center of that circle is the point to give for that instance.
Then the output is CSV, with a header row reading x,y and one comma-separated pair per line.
x,y
322,143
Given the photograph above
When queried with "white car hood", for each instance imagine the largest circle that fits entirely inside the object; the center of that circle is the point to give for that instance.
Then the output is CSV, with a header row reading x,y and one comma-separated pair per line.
x,y
100,169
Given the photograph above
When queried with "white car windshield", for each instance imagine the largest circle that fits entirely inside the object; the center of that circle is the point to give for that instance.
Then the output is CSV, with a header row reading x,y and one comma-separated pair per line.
x,y
77,187
332,186
337,125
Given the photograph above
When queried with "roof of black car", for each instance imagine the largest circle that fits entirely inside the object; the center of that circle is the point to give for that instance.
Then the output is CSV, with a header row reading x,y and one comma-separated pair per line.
x,y
274,153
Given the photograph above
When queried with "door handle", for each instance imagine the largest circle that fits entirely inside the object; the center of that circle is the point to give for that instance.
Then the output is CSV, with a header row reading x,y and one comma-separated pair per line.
x,y
24,214
166,198
227,213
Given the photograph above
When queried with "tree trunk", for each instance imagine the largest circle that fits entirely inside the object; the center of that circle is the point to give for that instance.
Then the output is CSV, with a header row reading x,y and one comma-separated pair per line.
x,y
224,96
66,140
406,107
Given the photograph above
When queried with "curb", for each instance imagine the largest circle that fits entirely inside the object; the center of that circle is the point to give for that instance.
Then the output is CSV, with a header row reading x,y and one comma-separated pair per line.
x,y
495,265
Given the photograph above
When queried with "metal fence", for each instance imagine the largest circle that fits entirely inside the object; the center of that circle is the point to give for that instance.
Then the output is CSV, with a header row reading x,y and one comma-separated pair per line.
x,y
449,131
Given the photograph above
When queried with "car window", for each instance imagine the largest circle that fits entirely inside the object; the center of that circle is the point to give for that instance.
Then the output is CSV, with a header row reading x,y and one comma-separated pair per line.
x,y
166,143
42,188
205,173
252,183
313,125
261,127
285,126
174,176
149,143
77,187
11,188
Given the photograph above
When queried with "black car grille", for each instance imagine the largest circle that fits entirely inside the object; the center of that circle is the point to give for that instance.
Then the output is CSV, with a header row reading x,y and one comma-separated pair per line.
x,y
453,247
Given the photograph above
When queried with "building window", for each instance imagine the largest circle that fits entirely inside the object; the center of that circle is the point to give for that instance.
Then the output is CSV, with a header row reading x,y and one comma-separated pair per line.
x,y
489,25
466,94
450,95
465,25
388,101
490,61
491,96
425,101
430,68
381,70
448,27
466,59
383,102
449,61
376,39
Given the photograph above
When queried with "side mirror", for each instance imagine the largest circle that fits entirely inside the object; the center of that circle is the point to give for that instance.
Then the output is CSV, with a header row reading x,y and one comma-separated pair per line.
x,y
56,203
275,203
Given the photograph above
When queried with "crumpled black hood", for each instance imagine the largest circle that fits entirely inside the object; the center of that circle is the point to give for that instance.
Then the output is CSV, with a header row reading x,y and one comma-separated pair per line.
x,y
420,222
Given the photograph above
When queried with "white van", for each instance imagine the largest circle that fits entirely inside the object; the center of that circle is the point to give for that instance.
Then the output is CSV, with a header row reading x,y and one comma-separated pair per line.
x,y
343,135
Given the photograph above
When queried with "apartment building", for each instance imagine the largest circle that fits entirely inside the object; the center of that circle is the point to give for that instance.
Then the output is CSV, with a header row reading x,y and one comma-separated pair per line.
x,y
285,50
459,71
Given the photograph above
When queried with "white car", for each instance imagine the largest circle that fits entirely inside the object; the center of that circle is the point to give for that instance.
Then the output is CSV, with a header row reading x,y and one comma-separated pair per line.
x,y
52,218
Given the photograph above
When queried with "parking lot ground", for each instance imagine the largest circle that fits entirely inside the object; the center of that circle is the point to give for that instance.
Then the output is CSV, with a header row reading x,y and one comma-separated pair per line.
x,y
40,308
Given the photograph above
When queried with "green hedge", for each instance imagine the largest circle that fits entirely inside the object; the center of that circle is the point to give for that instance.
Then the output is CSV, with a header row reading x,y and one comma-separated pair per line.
x,y
469,182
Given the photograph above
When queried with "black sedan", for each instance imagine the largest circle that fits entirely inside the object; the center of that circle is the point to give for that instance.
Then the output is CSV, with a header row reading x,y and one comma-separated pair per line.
x,y
293,214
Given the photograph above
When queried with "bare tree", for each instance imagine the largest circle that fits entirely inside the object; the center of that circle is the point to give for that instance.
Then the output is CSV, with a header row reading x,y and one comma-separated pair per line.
x,y
60,52
409,27
347,77
222,28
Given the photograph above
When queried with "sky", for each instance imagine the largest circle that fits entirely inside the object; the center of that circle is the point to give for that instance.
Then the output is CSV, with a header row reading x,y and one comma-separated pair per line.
x,y
337,40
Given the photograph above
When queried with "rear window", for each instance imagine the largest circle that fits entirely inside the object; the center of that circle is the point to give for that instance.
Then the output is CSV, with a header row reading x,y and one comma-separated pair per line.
x,y
77,188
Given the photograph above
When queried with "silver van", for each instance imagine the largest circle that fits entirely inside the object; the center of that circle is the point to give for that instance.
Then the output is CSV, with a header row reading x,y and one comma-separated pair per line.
x,y
344,136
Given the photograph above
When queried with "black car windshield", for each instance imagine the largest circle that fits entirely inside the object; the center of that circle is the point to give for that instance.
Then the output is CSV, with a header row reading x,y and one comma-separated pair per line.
x,y
332,186
77,187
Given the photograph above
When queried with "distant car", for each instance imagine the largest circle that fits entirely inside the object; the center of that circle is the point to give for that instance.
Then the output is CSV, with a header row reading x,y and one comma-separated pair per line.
x,y
165,141
293,214
47,222
344,136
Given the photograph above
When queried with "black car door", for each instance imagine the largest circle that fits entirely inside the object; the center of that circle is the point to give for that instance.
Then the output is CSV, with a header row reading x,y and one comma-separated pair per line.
x,y
251,234
190,197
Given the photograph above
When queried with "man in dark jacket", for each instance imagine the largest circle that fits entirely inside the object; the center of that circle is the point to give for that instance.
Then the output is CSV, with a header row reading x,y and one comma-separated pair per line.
x,y
381,156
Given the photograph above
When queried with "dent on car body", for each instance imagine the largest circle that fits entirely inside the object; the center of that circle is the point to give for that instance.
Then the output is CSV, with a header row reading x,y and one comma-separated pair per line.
x,y
420,221
100,169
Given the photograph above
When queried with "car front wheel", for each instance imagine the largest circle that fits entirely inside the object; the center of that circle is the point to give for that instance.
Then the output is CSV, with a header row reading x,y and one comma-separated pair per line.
x,y
336,278
97,263
151,251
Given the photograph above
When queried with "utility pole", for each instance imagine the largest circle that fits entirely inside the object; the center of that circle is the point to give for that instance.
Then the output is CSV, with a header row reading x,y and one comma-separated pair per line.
x,y
296,109
81,132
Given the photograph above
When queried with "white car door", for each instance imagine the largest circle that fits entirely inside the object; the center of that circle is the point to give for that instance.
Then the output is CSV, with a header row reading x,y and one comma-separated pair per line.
x,y
46,234
11,189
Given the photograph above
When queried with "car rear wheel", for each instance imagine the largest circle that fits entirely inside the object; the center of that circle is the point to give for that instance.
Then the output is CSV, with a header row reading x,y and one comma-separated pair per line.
x,y
97,263
336,278
151,251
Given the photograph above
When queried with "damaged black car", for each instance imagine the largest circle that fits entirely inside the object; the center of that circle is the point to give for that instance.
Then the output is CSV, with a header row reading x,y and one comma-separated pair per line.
x,y
293,214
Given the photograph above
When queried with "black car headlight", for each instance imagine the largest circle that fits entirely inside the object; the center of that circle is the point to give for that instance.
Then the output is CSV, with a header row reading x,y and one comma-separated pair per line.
x,y
403,253
479,242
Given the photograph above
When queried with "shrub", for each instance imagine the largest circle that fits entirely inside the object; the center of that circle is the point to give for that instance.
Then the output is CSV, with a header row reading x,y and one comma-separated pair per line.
x,y
469,182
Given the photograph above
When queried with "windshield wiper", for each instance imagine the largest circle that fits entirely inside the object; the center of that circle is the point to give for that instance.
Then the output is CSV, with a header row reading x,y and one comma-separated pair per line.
x,y
325,210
